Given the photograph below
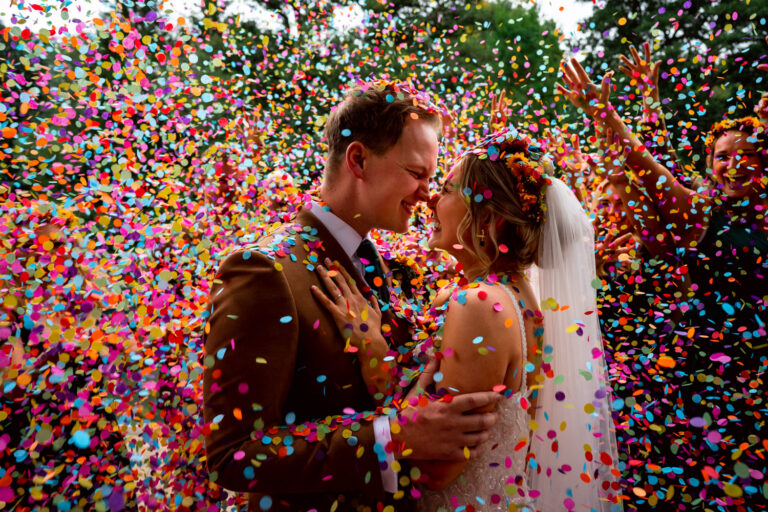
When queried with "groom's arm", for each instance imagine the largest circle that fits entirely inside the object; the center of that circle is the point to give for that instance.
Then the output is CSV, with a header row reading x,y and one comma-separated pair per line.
x,y
250,354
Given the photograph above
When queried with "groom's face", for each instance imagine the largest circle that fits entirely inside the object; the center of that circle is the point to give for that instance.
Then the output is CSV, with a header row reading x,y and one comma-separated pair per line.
x,y
398,179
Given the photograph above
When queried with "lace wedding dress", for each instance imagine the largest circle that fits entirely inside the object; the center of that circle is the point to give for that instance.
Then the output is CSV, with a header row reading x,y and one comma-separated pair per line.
x,y
497,477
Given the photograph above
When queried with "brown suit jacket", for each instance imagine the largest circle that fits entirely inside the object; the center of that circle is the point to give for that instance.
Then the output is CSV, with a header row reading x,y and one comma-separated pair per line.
x,y
277,381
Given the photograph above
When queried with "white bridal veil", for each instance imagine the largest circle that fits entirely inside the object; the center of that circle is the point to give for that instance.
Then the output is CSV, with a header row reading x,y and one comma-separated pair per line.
x,y
573,453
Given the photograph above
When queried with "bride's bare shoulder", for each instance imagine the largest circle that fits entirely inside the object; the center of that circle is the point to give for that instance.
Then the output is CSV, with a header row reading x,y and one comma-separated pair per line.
x,y
485,308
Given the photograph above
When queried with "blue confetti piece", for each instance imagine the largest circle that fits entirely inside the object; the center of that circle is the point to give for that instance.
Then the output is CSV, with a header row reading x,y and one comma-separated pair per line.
x,y
81,439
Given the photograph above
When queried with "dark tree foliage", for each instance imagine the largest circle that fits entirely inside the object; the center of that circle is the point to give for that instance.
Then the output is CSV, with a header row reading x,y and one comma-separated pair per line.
x,y
709,50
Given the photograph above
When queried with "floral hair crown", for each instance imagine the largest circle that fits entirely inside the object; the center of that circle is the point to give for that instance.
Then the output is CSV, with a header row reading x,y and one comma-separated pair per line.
x,y
750,124
524,159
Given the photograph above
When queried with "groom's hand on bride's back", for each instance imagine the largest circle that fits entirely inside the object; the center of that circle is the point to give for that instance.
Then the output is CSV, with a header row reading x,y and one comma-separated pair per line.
x,y
444,429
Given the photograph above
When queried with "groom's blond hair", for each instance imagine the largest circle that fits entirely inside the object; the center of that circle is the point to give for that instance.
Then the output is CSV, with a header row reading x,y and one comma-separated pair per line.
x,y
373,114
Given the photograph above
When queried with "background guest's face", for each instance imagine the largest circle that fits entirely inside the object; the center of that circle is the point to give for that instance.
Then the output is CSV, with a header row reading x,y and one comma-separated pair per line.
x,y
737,164
398,179
611,211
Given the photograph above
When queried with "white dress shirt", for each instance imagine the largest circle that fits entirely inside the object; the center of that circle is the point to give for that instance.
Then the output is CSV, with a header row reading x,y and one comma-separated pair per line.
x,y
349,240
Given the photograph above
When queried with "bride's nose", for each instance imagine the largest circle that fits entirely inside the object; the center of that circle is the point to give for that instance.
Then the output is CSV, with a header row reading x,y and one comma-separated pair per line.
x,y
432,201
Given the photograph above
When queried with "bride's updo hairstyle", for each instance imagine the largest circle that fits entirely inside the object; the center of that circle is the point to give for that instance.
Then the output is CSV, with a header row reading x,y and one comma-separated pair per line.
x,y
503,184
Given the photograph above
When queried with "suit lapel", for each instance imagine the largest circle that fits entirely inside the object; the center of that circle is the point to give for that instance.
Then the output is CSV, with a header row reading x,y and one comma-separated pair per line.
x,y
398,325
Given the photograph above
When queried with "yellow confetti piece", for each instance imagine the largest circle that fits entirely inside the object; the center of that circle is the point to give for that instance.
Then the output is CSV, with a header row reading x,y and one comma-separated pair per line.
x,y
549,303
466,453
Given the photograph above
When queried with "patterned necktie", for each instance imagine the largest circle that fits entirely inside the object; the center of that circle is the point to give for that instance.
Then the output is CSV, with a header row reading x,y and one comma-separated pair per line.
x,y
373,272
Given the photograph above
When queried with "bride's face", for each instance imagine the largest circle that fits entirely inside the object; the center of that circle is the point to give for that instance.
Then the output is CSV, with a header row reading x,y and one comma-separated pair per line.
x,y
448,210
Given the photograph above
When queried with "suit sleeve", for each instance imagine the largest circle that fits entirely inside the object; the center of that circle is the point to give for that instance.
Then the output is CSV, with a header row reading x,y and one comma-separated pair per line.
x,y
250,353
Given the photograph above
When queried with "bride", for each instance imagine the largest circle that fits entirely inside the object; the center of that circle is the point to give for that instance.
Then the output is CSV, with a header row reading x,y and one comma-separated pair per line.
x,y
509,225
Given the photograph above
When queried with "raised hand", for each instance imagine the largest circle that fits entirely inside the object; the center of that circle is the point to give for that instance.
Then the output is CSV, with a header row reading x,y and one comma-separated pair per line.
x,y
248,129
583,93
575,160
619,252
643,71
499,111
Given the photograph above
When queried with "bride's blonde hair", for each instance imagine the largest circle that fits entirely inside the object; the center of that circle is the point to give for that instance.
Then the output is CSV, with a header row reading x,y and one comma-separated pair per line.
x,y
505,206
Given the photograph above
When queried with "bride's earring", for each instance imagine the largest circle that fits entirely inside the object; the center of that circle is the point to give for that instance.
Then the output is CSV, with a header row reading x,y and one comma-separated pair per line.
x,y
481,236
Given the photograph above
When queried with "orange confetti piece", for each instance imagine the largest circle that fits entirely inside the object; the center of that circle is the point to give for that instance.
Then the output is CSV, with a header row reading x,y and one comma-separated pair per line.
x,y
666,362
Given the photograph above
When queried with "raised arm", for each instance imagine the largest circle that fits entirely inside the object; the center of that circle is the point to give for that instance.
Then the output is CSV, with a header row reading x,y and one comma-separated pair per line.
x,y
642,215
641,212
644,75
684,211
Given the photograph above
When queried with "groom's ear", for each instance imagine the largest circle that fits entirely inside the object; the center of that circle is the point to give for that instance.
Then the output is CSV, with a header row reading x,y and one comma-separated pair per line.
x,y
355,158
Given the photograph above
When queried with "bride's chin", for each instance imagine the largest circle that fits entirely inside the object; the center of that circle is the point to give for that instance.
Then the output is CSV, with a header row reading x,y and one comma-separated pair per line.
x,y
432,242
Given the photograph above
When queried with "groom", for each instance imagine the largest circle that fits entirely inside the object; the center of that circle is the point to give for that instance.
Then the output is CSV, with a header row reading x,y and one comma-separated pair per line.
x,y
286,404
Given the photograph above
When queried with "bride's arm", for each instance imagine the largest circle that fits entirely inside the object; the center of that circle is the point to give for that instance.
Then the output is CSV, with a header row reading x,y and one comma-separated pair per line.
x,y
480,339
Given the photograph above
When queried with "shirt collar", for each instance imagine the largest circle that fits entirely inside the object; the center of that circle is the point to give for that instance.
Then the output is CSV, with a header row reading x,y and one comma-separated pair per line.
x,y
348,238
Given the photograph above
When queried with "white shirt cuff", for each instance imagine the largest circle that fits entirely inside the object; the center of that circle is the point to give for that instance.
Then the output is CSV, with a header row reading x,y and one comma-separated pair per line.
x,y
383,437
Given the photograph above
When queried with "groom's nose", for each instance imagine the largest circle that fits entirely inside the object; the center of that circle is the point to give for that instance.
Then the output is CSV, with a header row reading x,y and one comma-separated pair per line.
x,y
432,201
423,191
